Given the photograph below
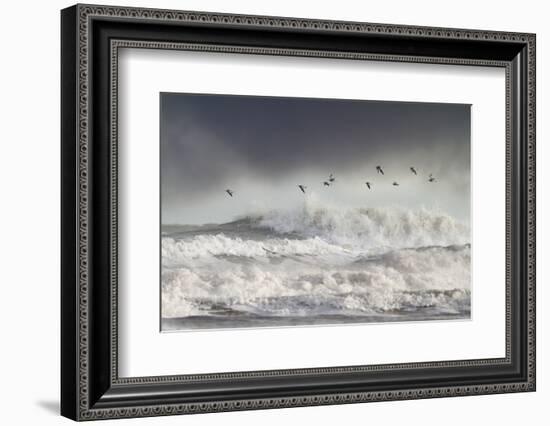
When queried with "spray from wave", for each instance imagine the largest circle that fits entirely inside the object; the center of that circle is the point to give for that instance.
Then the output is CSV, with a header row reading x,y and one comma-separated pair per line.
x,y
315,265
369,227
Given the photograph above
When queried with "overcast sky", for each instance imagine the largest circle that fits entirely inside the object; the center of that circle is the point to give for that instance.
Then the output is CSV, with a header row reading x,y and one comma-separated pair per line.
x,y
263,147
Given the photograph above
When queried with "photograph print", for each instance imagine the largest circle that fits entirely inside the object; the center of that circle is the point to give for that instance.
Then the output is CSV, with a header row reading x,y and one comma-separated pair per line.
x,y
283,211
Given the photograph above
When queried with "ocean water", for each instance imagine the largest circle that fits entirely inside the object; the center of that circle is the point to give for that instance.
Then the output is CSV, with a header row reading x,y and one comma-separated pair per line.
x,y
316,265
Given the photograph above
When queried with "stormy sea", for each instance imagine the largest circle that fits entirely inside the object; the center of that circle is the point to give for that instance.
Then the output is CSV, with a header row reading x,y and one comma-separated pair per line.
x,y
316,265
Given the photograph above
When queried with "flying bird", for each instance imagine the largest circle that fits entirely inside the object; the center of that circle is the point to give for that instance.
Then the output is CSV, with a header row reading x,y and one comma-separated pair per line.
x,y
395,184
326,183
331,178
379,170
431,178
302,188
368,184
229,192
413,170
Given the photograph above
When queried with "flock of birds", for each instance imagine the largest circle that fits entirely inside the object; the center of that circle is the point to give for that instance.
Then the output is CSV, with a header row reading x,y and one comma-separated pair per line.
x,y
331,179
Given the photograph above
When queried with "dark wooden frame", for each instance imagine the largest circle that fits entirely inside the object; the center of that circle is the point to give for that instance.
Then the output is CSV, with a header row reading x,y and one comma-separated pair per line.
x,y
91,37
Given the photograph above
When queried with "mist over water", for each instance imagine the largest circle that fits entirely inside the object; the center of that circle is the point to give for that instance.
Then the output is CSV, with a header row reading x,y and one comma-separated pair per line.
x,y
263,148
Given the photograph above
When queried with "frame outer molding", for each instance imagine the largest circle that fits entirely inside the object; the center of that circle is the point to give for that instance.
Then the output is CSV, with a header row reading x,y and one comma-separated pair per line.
x,y
76,402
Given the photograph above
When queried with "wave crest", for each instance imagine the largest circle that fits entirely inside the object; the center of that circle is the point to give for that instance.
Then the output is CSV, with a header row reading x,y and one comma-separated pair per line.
x,y
175,252
368,227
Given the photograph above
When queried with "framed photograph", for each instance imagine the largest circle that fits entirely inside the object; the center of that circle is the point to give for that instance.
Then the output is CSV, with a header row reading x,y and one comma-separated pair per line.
x,y
263,212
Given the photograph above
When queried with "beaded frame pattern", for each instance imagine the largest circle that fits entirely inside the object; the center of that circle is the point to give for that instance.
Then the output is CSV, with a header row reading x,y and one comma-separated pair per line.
x,y
87,12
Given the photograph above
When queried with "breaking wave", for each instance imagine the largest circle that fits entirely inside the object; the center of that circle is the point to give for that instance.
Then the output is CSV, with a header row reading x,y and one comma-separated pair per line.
x,y
319,261
372,227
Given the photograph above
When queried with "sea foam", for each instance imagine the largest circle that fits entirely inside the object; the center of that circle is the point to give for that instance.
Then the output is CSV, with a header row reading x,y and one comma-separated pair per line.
x,y
319,261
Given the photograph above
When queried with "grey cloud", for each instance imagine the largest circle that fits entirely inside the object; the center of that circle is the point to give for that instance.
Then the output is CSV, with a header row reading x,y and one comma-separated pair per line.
x,y
210,142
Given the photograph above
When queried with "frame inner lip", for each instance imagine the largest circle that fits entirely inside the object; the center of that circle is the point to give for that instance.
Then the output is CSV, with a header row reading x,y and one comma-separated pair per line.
x,y
115,45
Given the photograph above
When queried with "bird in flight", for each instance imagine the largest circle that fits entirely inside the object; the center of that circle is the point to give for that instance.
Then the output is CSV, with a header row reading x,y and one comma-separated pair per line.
x,y
395,184
413,170
331,178
302,188
326,183
431,178
379,170
368,184
229,192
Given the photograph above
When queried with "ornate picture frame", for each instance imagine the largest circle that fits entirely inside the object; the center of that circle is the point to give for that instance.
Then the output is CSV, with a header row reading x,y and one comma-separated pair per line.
x,y
91,37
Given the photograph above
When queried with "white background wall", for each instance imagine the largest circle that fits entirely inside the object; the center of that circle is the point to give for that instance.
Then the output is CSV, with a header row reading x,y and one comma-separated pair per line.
x,y
29,212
